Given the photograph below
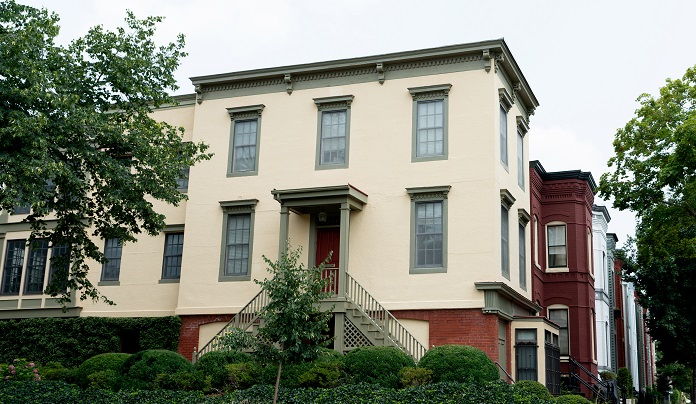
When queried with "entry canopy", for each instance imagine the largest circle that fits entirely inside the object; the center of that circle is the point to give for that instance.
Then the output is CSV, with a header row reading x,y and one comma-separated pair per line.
x,y
305,200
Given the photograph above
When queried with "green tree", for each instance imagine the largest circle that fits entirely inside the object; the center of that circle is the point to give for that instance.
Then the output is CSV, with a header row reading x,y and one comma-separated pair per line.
x,y
77,142
294,325
655,177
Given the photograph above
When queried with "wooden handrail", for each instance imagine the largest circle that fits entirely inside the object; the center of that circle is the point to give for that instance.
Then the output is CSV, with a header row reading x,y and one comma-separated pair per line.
x,y
242,320
383,319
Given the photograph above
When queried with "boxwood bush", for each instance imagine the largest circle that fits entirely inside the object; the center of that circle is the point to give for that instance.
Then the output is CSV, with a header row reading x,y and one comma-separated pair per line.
x,y
213,364
112,362
459,363
572,399
142,368
377,365
533,389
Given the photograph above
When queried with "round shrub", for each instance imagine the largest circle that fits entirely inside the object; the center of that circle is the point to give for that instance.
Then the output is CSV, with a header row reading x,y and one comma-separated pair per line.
x,y
409,376
143,367
213,364
377,365
572,399
242,375
533,389
112,361
459,363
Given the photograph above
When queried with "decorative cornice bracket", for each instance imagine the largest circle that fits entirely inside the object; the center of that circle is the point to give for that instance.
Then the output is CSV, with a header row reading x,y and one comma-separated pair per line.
x,y
499,58
288,83
199,93
380,72
487,60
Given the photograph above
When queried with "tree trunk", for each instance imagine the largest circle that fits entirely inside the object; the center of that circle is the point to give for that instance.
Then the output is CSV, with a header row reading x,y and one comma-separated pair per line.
x,y
693,381
275,395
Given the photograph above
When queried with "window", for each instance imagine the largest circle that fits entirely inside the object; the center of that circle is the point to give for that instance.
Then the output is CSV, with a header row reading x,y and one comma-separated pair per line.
x,y
333,131
556,241
36,267
60,263
522,129
244,140
505,241
526,354
523,258
560,317
21,209
590,264
14,262
520,159
112,252
428,229
429,122
536,240
183,180
506,201
173,250
238,237
505,105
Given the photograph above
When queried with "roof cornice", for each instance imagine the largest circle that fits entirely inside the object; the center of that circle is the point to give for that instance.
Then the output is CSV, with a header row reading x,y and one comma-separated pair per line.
x,y
379,65
564,175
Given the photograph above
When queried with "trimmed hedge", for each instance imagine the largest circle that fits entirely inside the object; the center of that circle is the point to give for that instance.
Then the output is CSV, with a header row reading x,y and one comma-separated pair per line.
x,y
459,363
448,393
572,399
100,363
213,364
377,365
533,389
71,341
143,367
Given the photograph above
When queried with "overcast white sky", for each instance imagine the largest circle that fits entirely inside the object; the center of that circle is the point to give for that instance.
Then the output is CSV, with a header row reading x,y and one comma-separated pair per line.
x,y
586,61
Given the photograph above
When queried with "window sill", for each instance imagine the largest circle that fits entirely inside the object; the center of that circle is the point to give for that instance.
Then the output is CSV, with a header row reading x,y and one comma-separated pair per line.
x,y
172,280
109,283
242,173
556,270
330,166
417,271
240,278
417,159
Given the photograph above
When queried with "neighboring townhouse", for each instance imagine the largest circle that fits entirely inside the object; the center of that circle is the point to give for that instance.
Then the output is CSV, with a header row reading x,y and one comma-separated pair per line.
x,y
410,167
604,308
563,275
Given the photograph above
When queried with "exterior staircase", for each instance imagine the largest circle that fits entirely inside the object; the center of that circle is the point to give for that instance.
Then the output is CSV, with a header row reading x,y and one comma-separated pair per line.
x,y
365,323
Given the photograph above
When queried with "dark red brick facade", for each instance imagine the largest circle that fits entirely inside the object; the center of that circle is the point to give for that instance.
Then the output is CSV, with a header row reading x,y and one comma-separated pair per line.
x,y
566,197
190,327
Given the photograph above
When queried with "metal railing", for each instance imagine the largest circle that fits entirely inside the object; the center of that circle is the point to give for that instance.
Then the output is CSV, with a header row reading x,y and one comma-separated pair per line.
x,y
505,371
383,319
246,317
604,394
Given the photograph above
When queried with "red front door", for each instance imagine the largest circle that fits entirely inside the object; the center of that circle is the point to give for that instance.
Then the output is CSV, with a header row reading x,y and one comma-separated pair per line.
x,y
328,241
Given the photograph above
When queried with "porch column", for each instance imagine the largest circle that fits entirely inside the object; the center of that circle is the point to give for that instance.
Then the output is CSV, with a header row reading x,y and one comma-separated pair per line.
x,y
283,233
343,259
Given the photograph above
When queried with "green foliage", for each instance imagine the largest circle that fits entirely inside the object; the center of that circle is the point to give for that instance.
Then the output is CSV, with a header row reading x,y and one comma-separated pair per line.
x,y
323,374
105,379
377,364
143,367
19,370
71,341
655,177
680,375
572,399
110,366
410,376
242,375
293,324
69,116
56,371
459,363
533,389
625,380
213,364
184,380
607,375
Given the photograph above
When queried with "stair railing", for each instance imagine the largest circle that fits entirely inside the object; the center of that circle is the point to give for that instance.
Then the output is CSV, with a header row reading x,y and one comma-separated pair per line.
x,y
244,319
383,319
505,371
598,392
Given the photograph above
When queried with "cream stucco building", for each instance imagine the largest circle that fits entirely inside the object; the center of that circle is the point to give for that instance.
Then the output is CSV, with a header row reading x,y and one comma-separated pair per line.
x,y
411,167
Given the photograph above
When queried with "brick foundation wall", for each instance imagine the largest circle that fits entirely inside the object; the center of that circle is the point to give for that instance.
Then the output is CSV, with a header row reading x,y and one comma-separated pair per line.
x,y
190,325
460,327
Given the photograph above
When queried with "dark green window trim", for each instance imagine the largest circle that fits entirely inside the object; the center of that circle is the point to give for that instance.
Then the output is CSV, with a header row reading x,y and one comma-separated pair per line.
x,y
439,92
241,114
331,105
425,195
522,129
506,102
231,208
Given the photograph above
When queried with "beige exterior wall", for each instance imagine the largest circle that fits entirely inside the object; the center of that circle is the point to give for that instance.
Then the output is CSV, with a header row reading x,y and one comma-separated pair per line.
x,y
540,325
